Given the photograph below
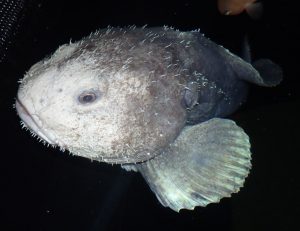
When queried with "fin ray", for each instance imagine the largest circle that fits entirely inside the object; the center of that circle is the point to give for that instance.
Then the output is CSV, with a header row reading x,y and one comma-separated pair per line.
x,y
206,162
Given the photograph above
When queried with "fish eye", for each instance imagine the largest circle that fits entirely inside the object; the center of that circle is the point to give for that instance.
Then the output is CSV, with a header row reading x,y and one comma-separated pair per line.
x,y
88,97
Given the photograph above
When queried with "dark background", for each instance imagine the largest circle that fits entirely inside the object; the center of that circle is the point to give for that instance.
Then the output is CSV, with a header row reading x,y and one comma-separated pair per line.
x,y
44,189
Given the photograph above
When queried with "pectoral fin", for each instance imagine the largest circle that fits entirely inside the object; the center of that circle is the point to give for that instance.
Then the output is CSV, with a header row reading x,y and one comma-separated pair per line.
x,y
206,162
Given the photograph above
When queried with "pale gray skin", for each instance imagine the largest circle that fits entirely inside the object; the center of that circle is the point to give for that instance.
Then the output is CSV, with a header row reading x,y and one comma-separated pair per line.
x,y
147,85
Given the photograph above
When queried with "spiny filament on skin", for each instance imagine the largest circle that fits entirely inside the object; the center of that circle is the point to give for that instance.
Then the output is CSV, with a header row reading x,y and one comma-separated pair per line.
x,y
23,125
40,140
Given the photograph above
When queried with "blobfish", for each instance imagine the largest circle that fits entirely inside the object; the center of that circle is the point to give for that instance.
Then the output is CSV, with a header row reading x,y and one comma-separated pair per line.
x,y
152,100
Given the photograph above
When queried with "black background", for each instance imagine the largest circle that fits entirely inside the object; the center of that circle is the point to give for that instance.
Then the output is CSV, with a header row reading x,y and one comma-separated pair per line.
x,y
44,189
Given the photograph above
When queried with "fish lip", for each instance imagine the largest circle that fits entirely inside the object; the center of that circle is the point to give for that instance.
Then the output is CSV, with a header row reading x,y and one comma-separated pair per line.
x,y
31,122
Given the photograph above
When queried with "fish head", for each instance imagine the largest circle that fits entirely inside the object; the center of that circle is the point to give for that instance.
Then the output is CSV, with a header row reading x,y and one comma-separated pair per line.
x,y
96,105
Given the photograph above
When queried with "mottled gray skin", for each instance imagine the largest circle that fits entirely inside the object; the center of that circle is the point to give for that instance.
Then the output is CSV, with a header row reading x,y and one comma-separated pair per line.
x,y
152,82
212,86
147,85
220,90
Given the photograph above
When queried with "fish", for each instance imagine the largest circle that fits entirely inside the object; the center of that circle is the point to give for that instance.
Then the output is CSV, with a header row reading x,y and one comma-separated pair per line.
x,y
235,7
153,100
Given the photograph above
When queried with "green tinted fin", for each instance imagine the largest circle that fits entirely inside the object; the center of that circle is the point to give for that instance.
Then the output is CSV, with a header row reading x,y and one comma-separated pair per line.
x,y
207,162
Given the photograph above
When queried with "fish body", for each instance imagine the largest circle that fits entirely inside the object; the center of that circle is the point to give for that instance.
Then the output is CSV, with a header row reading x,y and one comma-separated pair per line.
x,y
148,98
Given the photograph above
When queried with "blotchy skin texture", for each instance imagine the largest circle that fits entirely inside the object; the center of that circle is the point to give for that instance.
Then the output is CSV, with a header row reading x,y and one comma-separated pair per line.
x,y
149,83
147,99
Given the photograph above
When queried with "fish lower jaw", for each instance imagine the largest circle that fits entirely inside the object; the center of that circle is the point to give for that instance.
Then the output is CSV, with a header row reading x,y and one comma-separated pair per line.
x,y
33,124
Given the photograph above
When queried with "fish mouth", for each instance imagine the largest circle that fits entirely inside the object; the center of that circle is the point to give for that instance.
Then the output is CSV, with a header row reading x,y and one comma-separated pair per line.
x,y
32,123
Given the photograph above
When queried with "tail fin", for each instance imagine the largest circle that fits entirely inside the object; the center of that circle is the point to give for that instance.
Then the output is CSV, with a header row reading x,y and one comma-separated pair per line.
x,y
262,72
270,72
207,162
